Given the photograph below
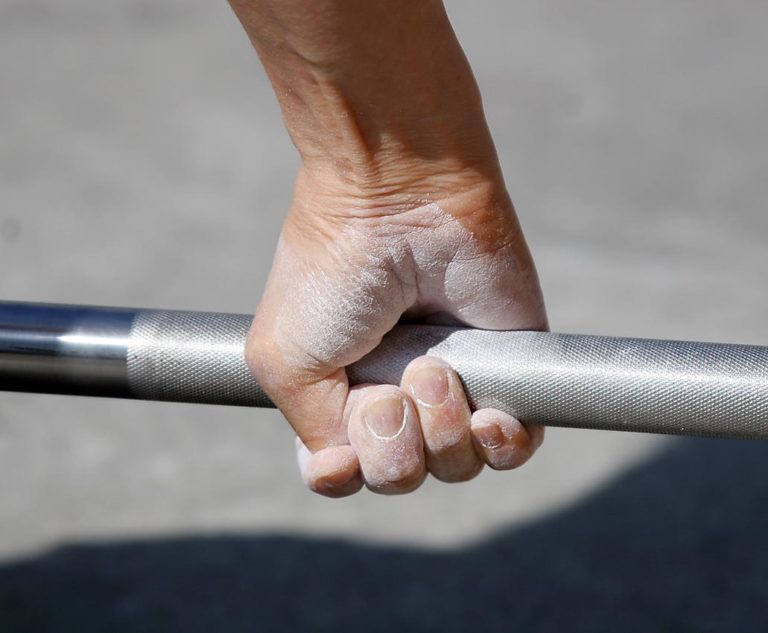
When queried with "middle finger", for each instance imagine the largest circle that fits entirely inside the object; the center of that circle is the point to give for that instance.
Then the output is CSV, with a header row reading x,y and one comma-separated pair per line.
x,y
445,419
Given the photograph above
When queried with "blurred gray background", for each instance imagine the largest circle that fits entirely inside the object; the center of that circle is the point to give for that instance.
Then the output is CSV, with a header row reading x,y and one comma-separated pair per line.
x,y
143,163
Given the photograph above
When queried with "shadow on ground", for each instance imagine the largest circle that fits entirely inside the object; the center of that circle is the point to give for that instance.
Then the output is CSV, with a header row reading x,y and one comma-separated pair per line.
x,y
678,544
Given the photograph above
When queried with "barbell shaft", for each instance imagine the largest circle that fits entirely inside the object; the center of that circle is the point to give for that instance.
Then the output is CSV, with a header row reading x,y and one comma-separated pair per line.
x,y
672,387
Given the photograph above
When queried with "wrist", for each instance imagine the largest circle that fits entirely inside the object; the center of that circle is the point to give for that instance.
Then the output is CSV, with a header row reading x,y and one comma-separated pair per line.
x,y
373,90
406,184
398,142
366,129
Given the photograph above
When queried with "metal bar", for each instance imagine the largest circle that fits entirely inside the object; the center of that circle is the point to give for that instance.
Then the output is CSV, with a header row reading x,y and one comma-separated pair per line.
x,y
64,349
609,383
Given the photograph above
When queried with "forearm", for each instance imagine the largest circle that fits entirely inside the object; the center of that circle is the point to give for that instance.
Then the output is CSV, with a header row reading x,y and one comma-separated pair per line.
x,y
374,89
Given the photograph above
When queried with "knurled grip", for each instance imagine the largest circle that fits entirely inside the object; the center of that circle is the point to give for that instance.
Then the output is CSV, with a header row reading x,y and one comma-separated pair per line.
x,y
191,357
596,382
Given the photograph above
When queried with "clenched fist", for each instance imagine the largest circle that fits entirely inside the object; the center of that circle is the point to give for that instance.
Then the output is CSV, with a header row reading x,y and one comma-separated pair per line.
x,y
400,211
346,271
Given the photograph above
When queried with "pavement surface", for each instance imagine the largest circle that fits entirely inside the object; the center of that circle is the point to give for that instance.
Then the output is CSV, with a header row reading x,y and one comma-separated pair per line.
x,y
143,163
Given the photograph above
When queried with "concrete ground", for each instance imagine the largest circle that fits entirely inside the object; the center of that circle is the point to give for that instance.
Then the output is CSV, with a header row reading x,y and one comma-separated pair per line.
x,y
143,163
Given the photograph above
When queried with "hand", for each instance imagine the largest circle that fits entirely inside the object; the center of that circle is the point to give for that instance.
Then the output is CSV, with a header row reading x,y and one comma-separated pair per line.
x,y
348,267
400,210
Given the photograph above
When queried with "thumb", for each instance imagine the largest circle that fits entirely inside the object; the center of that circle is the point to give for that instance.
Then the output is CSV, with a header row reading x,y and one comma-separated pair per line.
x,y
316,317
312,399
311,396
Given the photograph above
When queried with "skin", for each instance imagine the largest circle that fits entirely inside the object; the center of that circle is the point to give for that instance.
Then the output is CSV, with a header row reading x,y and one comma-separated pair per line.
x,y
400,211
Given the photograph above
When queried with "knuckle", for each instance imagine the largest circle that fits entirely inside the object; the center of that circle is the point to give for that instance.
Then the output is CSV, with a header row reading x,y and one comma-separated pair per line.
x,y
280,379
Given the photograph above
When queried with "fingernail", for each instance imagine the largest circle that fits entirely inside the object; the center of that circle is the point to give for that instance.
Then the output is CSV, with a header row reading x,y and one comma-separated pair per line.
x,y
385,417
429,386
489,435
335,480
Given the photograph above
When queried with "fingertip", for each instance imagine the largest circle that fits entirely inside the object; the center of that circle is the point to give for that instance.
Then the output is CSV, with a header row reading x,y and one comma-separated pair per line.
x,y
333,471
501,440
537,433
